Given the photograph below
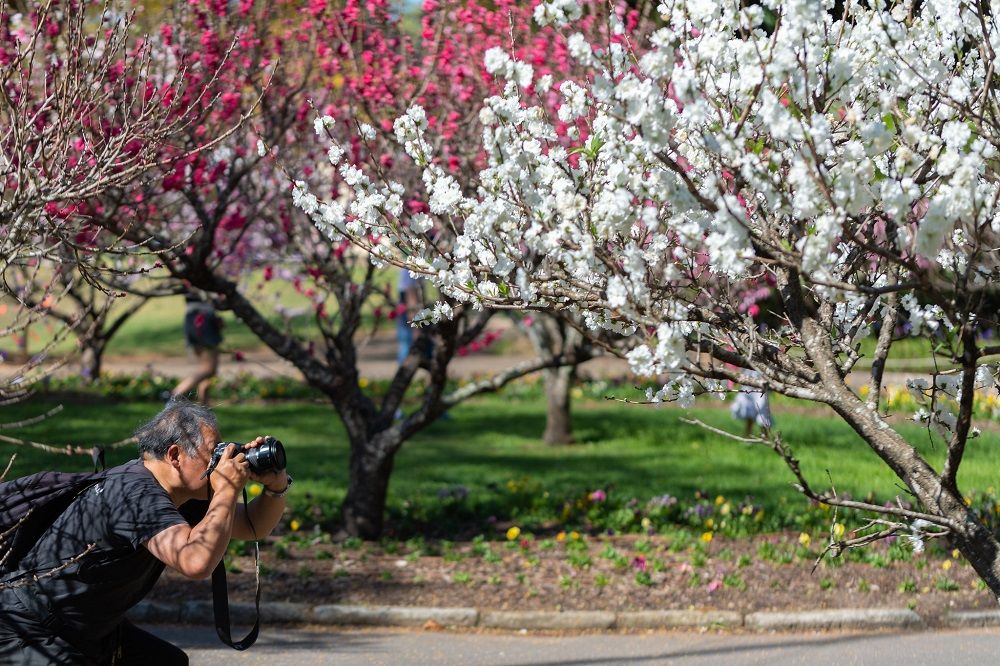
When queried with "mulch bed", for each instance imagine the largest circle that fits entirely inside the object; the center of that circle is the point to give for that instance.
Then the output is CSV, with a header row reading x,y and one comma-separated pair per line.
x,y
732,575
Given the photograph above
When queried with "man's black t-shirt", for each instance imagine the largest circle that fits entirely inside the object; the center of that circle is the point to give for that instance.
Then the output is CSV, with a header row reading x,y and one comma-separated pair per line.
x,y
117,516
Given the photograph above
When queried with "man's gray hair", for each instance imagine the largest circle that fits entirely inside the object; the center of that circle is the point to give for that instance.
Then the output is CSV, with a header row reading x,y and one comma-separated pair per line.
x,y
181,422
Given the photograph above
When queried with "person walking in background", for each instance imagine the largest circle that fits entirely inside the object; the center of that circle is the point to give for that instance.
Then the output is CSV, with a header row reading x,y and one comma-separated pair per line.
x,y
752,406
411,298
203,332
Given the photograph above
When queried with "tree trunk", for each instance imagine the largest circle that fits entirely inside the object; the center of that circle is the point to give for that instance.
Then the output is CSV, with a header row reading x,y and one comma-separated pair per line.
x,y
558,423
368,486
973,539
90,360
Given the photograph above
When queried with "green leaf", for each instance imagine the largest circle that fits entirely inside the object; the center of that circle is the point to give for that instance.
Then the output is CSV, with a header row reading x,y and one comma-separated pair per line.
x,y
890,122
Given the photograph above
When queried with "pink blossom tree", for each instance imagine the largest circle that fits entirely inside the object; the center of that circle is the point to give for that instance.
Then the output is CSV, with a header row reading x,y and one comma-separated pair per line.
x,y
222,222
86,108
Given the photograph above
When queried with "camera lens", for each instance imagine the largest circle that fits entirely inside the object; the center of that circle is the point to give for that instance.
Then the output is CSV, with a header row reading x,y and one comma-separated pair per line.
x,y
268,457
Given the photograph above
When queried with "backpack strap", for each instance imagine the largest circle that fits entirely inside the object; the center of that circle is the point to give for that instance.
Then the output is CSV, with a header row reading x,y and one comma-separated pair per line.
x,y
97,455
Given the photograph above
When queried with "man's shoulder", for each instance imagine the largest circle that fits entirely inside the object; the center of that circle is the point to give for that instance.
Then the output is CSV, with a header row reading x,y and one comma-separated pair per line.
x,y
132,478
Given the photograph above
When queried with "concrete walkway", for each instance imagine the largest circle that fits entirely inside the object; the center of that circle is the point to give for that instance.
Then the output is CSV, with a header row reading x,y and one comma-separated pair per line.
x,y
377,360
294,647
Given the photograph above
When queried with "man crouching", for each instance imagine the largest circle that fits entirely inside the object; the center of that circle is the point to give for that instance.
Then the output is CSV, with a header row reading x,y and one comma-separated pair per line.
x,y
104,553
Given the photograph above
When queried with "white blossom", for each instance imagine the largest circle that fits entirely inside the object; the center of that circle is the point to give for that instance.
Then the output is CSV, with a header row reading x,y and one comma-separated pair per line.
x,y
558,12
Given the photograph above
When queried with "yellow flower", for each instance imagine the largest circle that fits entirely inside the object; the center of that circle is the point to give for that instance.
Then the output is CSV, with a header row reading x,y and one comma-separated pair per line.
x,y
759,516
513,533
706,536
838,530
255,489
805,539
955,554
967,500
709,524
719,500
577,392
561,536
295,525
823,506
726,508
363,382
646,523
946,565
747,510
574,535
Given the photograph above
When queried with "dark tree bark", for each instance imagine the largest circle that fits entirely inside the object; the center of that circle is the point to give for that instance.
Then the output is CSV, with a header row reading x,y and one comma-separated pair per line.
x,y
550,334
368,487
91,358
558,419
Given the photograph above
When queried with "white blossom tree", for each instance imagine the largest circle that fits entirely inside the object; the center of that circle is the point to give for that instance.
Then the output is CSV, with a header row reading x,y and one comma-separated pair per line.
x,y
845,152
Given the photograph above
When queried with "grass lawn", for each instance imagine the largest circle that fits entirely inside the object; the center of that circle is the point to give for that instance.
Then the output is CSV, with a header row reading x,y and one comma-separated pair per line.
x,y
491,446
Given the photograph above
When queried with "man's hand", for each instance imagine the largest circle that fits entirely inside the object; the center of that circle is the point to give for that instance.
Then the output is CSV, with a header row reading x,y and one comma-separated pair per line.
x,y
231,473
275,481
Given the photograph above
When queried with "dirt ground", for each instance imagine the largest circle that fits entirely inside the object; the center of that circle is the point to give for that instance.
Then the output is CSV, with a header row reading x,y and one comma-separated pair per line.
x,y
743,575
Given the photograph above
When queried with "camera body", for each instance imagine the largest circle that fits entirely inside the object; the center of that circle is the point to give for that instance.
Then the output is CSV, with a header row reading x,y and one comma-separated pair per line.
x,y
268,457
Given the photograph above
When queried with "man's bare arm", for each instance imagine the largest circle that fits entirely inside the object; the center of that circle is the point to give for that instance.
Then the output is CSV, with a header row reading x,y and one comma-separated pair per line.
x,y
195,551
259,518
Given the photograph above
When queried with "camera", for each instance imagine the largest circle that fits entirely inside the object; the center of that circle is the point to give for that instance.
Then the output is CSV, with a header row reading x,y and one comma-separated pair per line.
x,y
268,457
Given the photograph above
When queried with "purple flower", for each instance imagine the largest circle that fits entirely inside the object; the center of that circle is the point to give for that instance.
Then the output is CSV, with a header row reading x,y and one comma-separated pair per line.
x,y
662,501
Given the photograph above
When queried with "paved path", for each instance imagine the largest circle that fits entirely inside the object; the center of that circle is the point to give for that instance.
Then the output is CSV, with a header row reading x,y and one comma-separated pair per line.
x,y
288,647
377,360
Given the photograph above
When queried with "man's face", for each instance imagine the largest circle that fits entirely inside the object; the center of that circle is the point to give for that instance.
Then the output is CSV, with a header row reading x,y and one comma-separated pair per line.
x,y
193,466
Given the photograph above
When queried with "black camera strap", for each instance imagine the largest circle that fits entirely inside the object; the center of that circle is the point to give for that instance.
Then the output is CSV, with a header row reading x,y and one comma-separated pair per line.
x,y
220,599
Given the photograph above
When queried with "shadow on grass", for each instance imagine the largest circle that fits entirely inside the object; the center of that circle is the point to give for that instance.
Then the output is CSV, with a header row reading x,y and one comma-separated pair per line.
x,y
490,455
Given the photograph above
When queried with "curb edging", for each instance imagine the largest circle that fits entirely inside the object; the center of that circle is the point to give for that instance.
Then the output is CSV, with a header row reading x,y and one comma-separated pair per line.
x,y
972,619
841,618
200,612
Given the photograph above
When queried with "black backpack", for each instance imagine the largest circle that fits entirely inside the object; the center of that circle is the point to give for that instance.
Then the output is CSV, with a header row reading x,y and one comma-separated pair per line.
x,y
31,504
